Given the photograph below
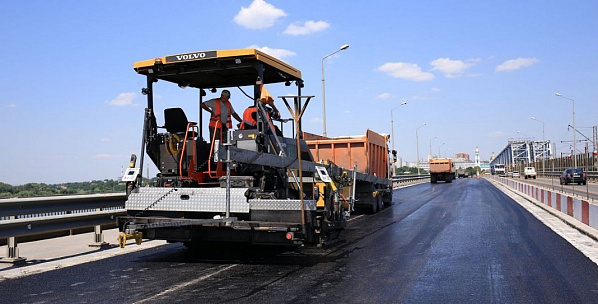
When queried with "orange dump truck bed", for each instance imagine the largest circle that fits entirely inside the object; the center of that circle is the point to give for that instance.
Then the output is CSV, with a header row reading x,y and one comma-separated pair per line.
x,y
373,190
368,152
440,165
441,169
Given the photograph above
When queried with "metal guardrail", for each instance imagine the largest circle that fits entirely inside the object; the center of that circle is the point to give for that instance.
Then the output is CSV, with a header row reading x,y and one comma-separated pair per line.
x,y
32,216
399,180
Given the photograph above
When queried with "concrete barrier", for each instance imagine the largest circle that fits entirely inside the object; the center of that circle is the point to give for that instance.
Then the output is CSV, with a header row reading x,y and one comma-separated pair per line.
x,y
583,210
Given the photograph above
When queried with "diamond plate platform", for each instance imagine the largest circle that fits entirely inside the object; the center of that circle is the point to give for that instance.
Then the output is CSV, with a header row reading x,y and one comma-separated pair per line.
x,y
267,204
188,199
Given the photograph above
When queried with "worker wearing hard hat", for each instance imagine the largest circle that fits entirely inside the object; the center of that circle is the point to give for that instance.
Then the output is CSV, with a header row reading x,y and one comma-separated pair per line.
x,y
221,111
250,114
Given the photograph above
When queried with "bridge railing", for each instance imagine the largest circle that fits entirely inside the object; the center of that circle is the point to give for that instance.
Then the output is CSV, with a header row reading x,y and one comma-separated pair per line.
x,y
583,209
21,217
400,180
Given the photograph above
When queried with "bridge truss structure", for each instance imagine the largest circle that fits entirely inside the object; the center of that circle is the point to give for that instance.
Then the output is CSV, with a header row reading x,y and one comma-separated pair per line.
x,y
523,151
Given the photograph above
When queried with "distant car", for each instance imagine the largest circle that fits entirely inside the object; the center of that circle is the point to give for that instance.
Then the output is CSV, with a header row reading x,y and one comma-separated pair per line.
x,y
515,174
529,172
571,175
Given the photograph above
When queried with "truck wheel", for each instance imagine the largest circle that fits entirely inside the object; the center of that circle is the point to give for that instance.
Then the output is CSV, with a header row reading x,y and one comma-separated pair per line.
x,y
373,208
388,202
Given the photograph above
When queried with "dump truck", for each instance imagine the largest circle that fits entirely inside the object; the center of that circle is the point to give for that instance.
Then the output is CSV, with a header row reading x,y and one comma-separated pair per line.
x,y
258,185
367,154
441,169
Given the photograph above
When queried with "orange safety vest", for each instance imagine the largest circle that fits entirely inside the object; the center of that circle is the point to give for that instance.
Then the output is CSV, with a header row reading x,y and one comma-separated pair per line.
x,y
215,119
248,120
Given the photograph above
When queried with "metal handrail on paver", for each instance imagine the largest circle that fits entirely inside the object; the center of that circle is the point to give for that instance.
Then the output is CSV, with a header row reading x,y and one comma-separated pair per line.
x,y
39,215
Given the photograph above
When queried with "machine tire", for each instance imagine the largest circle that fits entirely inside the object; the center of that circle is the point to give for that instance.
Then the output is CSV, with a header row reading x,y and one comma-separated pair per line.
x,y
388,203
379,203
373,208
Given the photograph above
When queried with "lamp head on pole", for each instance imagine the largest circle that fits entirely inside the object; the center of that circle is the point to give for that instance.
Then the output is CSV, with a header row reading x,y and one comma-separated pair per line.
x,y
344,47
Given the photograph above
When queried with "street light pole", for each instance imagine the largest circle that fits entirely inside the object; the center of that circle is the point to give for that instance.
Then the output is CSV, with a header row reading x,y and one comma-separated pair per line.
x,y
417,144
392,132
431,145
439,149
544,143
534,118
526,137
344,47
574,130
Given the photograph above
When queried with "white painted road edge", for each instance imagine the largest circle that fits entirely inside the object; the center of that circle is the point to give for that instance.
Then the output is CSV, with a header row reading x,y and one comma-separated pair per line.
x,y
581,236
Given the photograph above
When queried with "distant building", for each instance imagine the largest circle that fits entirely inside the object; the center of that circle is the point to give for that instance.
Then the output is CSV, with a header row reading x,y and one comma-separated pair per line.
x,y
464,156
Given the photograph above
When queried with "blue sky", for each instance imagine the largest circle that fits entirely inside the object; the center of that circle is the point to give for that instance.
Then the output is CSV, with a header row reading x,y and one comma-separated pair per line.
x,y
474,71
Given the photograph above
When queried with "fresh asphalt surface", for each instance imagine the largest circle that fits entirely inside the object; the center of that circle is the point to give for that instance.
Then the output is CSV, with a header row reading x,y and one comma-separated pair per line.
x,y
464,242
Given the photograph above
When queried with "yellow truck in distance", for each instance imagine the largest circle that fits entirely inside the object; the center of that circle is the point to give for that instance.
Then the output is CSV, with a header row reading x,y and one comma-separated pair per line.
x,y
441,169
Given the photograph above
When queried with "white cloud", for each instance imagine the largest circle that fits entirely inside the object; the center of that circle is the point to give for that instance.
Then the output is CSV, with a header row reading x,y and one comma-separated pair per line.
x,y
259,15
305,28
278,53
515,64
12,105
435,89
384,96
315,120
496,134
106,139
452,68
409,71
123,99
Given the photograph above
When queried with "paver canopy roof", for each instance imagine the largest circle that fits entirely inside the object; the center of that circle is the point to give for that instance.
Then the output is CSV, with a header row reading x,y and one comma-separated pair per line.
x,y
216,69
